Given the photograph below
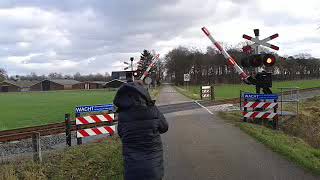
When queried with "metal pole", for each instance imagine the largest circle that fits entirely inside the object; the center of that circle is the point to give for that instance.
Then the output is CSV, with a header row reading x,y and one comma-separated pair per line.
x,y
275,120
256,50
131,59
256,33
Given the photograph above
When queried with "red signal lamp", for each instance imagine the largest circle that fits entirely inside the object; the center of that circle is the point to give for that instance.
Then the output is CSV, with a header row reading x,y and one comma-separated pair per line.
x,y
269,60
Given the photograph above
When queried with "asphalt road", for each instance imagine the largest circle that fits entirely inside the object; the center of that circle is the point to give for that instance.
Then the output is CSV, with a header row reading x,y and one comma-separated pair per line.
x,y
199,145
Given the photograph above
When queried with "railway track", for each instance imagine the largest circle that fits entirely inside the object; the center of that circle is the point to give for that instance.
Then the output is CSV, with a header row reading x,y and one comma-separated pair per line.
x,y
58,128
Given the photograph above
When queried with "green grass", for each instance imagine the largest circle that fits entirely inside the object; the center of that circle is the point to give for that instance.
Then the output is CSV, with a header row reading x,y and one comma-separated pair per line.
x,y
38,108
292,148
93,161
227,91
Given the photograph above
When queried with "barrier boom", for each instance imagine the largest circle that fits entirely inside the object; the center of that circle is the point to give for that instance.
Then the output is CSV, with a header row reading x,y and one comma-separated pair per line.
x,y
230,61
155,59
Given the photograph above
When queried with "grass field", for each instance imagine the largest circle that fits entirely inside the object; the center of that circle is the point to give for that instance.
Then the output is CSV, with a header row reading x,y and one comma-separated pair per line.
x,y
225,91
298,138
37,108
92,161
26,109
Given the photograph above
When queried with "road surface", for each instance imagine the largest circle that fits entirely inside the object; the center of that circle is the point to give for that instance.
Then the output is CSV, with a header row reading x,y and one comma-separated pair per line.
x,y
200,145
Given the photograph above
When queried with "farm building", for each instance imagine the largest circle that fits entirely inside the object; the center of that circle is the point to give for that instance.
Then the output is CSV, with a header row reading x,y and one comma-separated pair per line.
x,y
16,86
56,84
92,85
116,83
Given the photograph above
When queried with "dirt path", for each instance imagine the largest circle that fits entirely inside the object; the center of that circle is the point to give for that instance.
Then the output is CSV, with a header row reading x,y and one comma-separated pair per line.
x,y
199,145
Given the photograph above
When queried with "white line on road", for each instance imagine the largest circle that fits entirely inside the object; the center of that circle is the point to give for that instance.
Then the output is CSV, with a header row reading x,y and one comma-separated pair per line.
x,y
203,107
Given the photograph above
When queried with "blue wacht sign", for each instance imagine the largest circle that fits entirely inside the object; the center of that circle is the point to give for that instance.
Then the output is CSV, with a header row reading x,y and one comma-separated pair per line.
x,y
94,108
252,96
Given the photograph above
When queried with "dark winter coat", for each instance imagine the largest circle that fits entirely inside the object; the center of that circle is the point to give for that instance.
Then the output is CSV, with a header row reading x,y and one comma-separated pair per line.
x,y
139,127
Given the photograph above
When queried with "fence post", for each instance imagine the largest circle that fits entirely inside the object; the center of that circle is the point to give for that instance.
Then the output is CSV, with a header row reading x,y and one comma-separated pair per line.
x,y
79,140
68,129
276,119
201,92
36,147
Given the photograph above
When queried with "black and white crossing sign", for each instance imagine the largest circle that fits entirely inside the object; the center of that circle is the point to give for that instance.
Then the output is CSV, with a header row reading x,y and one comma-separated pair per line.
x,y
262,42
186,77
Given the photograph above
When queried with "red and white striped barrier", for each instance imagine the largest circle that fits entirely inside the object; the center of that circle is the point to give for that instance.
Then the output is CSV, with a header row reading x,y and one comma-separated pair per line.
x,y
94,119
231,61
265,105
263,115
96,131
155,59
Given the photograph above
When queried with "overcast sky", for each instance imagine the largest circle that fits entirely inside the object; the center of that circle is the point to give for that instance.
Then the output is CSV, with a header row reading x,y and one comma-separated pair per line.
x,y
96,36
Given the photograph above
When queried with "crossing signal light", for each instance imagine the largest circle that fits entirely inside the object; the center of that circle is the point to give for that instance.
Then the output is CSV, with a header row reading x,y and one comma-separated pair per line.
x,y
258,60
269,60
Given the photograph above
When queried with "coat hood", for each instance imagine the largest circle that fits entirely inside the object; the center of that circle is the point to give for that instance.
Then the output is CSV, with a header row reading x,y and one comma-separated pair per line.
x,y
132,94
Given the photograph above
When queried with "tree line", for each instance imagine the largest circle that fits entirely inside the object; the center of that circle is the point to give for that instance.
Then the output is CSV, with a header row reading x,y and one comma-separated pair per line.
x,y
210,67
34,77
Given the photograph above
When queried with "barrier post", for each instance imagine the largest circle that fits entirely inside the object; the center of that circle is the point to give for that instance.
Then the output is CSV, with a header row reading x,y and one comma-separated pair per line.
x,y
244,109
68,129
201,92
36,147
78,127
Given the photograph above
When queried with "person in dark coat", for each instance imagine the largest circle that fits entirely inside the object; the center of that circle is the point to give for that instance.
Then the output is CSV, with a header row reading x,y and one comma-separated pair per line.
x,y
140,124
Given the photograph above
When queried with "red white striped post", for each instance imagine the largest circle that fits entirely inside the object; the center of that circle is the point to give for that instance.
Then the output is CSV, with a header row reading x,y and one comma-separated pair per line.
x,y
230,61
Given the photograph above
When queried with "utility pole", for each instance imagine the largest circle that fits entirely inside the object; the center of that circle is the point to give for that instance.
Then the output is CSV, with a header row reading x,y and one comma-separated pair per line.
x,y
131,59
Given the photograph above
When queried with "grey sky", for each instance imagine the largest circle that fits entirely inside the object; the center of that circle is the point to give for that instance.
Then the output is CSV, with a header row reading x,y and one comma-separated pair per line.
x,y
91,36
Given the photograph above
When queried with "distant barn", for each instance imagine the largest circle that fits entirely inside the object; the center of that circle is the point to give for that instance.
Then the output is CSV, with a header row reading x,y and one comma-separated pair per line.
x,y
92,85
56,84
16,86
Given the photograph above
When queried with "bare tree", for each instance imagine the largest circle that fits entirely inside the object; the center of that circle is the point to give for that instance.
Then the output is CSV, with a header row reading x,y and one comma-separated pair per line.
x,y
3,74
